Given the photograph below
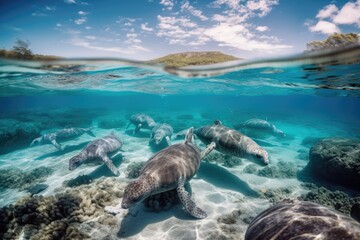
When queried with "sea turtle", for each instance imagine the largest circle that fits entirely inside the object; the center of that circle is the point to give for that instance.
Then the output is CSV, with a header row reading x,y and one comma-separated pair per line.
x,y
231,142
161,132
260,125
293,219
141,120
98,148
68,133
168,169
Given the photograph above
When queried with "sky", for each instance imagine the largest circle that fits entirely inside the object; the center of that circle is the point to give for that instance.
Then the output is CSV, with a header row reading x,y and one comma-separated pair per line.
x,y
147,29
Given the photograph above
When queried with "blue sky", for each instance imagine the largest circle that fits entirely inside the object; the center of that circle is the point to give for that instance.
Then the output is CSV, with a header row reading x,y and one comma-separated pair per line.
x,y
146,29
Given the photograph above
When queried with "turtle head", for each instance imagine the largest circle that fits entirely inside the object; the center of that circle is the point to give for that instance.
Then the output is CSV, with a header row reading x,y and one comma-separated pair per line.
x,y
279,133
76,161
134,193
261,156
36,142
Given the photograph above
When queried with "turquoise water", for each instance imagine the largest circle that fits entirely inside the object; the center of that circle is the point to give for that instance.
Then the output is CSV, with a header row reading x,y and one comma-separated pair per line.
x,y
307,97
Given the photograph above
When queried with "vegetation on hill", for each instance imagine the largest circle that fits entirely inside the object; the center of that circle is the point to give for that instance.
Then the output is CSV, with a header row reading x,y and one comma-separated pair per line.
x,y
22,51
333,41
193,58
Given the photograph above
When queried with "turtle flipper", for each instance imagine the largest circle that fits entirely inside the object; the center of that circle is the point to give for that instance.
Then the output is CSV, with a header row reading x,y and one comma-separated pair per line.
x,y
208,149
188,203
56,144
137,129
168,140
110,165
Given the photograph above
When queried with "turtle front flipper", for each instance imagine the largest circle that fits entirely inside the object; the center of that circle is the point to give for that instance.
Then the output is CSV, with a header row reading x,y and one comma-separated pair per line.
x,y
110,165
208,149
188,203
56,144
167,138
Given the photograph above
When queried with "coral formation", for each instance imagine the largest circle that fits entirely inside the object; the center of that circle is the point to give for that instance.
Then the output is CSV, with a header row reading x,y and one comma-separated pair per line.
x,y
251,168
223,159
133,169
230,223
335,199
16,178
281,170
57,217
276,195
79,180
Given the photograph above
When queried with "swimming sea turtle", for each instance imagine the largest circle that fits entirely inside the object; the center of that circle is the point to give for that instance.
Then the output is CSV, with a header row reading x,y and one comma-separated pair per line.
x,y
161,132
261,125
231,142
98,148
141,120
302,220
168,169
61,136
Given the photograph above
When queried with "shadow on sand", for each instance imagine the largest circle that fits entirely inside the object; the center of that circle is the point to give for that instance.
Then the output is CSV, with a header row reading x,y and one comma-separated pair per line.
x,y
67,149
140,134
220,177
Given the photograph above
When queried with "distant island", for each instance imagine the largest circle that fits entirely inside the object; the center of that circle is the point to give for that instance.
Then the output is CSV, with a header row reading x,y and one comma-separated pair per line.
x,y
193,58
333,41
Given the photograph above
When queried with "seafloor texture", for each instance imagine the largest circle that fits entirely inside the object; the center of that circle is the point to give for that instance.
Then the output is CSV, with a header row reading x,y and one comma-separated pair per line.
x,y
232,190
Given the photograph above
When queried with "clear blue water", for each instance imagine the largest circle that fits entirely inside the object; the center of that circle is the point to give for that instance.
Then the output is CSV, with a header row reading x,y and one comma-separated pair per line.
x,y
305,96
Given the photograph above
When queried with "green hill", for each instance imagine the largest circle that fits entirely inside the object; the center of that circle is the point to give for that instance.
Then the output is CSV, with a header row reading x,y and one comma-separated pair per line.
x,y
193,58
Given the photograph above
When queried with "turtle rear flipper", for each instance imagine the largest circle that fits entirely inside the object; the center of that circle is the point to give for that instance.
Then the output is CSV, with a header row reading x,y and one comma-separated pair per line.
x,y
56,144
188,203
208,149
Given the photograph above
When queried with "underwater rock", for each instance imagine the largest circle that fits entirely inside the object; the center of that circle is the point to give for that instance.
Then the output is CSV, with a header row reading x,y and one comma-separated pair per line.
x,y
58,217
335,199
281,170
109,122
37,188
162,201
223,159
336,160
302,220
79,180
17,178
251,168
133,169
15,135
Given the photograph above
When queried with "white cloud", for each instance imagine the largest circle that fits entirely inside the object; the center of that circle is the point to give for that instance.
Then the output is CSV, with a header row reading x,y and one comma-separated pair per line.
x,y
349,14
87,27
80,21
50,8
144,26
261,6
193,11
324,27
58,25
327,12
82,13
90,37
75,2
168,4
70,1
262,28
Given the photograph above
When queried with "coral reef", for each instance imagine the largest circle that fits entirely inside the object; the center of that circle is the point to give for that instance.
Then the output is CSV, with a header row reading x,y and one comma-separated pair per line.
x,y
162,201
15,135
229,225
296,219
251,168
109,122
335,160
335,199
133,169
276,195
281,170
225,160
58,217
16,178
